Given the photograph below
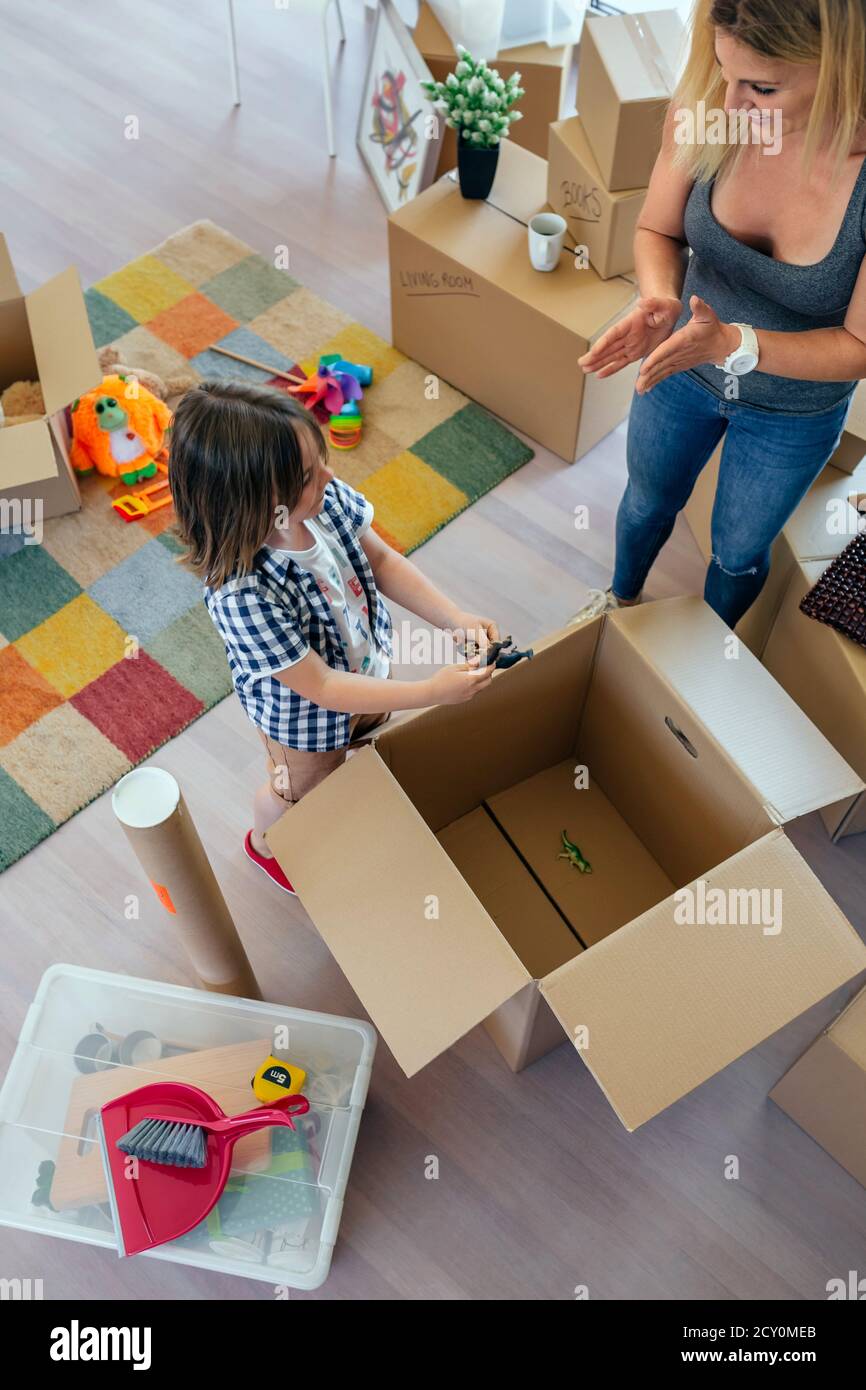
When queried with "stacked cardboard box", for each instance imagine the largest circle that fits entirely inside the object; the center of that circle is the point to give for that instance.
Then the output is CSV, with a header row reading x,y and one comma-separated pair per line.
x,y
600,162
825,1091
467,304
544,74
823,671
44,337
675,770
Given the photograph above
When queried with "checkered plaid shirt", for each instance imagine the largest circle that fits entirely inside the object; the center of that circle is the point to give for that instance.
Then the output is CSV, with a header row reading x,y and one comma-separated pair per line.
x,y
272,617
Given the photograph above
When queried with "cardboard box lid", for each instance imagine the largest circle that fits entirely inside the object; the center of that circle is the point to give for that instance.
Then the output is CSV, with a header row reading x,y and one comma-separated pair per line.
x,y
9,287
641,53
668,1005
62,340
425,980
792,766
572,136
848,1031
847,656
825,521
489,240
825,1094
26,455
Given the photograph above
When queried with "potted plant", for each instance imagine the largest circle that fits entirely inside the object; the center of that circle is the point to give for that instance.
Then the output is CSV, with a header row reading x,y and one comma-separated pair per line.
x,y
477,103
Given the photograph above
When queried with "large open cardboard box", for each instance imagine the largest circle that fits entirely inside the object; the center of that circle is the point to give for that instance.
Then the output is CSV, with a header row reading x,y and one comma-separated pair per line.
x,y
44,336
825,1090
429,861
544,74
468,305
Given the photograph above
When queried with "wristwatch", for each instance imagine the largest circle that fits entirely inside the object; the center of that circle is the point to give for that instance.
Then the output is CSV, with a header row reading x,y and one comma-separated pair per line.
x,y
745,356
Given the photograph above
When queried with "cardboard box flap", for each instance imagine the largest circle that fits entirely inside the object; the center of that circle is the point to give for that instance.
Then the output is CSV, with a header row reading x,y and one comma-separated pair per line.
x,y
641,52
9,287
62,340
668,1003
26,455
792,766
422,954
572,136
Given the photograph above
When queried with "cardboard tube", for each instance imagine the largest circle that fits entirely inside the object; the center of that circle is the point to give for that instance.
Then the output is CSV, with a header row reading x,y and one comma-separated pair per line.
x,y
155,819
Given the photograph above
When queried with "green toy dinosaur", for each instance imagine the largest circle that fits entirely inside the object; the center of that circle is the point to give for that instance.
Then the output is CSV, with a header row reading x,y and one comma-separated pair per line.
x,y
571,852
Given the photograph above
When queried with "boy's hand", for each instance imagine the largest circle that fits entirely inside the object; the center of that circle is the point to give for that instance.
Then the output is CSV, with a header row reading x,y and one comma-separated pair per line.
x,y
473,632
455,684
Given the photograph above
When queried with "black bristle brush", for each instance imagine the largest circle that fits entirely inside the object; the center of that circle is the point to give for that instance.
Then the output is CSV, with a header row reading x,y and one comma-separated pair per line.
x,y
169,1142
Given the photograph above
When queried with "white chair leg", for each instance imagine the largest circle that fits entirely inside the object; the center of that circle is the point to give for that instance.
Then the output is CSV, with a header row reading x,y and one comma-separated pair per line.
x,y
233,53
342,25
329,107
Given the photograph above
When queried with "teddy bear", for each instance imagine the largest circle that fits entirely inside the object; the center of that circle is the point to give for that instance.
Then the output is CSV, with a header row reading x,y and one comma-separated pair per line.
x,y
21,402
119,428
163,387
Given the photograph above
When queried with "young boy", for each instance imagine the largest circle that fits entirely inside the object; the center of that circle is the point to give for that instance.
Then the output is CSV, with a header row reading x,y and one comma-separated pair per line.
x,y
295,582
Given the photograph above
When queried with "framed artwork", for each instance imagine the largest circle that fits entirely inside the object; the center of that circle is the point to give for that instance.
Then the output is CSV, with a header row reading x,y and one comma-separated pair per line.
x,y
393,127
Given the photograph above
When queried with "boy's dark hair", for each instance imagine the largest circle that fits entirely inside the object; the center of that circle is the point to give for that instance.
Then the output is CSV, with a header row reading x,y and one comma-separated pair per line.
x,y
235,454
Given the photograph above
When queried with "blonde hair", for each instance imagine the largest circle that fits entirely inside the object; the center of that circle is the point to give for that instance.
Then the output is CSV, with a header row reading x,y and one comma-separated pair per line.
x,y
829,33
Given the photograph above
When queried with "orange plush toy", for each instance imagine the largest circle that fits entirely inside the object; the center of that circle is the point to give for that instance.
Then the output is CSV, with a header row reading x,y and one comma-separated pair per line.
x,y
119,428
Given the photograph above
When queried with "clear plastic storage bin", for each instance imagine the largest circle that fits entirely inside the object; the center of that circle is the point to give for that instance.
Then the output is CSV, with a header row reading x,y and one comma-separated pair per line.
x,y
279,1215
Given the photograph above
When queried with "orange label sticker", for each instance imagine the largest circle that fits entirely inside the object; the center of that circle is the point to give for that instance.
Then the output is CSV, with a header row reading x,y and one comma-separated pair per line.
x,y
164,896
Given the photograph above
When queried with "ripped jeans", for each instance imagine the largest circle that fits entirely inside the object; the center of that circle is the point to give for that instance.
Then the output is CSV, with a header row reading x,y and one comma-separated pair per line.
x,y
769,461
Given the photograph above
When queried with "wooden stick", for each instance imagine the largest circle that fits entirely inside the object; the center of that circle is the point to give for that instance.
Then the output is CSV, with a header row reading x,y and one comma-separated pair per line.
x,y
262,366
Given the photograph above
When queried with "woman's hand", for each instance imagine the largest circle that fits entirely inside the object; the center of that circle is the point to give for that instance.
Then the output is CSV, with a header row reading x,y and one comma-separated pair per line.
x,y
704,339
648,324
470,630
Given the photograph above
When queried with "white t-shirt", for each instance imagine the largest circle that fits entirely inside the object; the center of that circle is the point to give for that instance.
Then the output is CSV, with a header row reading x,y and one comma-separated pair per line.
x,y
329,565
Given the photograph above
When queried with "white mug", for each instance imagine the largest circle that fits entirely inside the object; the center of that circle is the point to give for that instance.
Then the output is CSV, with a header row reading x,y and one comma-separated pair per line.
x,y
546,236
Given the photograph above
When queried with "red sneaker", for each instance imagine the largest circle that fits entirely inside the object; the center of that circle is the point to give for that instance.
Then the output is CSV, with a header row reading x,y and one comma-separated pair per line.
x,y
268,866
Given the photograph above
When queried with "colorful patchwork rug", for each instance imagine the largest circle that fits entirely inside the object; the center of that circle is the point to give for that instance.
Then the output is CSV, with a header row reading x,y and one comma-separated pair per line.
x,y
106,649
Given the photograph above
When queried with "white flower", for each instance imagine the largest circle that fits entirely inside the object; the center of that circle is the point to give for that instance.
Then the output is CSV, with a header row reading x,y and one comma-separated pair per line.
x,y
515,115
451,81
477,138
498,83
463,69
484,125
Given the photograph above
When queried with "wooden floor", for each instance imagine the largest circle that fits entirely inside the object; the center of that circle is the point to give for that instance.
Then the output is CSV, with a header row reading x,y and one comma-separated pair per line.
x,y
540,1189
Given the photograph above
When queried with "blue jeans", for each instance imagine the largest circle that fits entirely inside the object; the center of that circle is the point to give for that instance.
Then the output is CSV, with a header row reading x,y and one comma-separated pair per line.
x,y
769,462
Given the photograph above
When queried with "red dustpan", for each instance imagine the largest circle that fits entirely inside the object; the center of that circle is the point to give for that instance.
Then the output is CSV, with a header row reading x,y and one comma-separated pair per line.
x,y
153,1203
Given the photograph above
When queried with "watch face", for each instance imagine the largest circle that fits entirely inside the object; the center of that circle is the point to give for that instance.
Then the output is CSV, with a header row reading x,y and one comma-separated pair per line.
x,y
744,362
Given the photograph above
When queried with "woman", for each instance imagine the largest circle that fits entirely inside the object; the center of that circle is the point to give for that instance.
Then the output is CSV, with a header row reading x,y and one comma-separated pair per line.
x,y
774,291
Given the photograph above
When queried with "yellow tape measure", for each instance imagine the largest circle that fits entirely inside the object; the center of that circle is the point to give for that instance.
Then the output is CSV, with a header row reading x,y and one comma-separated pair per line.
x,y
275,1079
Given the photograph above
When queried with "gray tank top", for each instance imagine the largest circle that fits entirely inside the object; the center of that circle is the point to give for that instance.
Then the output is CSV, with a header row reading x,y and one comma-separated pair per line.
x,y
744,285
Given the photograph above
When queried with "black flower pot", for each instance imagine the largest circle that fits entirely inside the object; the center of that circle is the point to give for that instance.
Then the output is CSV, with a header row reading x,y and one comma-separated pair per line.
x,y
476,168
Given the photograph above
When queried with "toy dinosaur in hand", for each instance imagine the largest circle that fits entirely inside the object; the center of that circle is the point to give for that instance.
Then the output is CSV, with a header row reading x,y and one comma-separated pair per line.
x,y
571,852
119,429
502,654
